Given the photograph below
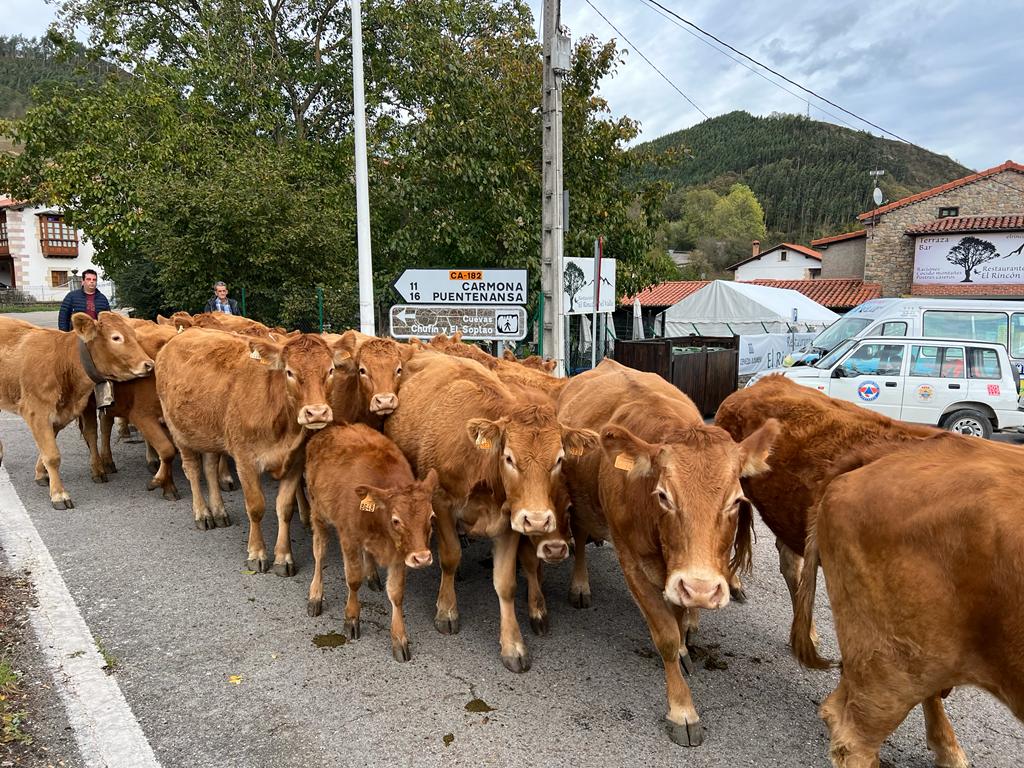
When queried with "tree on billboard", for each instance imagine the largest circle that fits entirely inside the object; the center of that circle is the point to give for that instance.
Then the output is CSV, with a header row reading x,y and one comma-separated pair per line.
x,y
572,279
969,253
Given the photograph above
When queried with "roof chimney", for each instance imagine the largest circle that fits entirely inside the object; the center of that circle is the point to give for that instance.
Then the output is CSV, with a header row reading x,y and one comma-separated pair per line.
x,y
755,248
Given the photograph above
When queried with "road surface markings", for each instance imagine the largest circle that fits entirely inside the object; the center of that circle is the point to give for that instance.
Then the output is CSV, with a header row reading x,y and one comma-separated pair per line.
x,y
107,732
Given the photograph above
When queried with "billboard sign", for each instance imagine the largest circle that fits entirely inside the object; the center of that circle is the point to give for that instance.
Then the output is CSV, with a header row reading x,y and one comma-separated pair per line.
x,y
983,258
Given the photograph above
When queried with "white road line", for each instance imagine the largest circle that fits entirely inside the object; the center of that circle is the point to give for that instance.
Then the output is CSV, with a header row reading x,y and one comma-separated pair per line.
x,y
107,732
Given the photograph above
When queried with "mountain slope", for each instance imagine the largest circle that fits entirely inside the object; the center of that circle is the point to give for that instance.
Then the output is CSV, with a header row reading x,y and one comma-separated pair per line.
x,y
811,177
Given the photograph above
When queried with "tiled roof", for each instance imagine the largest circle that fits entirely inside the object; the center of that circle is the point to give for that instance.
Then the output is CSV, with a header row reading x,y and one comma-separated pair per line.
x,y
838,238
969,224
834,293
791,246
1009,165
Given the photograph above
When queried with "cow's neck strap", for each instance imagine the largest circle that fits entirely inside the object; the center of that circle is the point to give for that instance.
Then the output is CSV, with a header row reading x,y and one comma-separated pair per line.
x,y
88,364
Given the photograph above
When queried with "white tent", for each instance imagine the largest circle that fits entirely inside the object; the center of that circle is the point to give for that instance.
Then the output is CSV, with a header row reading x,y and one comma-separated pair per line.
x,y
726,308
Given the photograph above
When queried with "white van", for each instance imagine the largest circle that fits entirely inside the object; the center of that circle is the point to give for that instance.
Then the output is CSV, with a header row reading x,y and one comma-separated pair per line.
x,y
999,322
963,386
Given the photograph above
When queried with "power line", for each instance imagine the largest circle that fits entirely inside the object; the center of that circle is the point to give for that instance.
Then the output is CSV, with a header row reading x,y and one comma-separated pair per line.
x,y
776,73
651,63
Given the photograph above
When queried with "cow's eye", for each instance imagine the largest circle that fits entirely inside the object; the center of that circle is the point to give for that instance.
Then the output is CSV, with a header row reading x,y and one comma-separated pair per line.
x,y
510,461
396,522
289,373
362,371
398,371
117,338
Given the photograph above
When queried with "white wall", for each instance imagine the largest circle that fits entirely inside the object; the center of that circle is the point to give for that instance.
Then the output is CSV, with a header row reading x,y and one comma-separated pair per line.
x,y
770,266
32,268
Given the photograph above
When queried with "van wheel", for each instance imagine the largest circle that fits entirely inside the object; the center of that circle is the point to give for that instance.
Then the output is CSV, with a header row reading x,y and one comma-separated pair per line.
x,y
968,422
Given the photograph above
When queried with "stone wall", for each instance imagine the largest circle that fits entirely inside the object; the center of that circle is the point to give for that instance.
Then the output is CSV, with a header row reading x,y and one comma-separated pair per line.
x,y
889,257
844,258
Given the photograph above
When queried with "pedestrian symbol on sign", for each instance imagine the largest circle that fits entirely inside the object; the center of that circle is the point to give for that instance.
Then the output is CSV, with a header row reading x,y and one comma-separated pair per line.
x,y
507,324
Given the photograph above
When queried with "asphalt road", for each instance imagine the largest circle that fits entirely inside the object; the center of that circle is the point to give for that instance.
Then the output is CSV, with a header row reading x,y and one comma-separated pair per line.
x,y
176,611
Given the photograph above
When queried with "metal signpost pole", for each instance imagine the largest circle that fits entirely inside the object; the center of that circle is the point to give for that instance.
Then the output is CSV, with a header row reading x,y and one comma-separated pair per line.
x,y
597,303
366,320
555,63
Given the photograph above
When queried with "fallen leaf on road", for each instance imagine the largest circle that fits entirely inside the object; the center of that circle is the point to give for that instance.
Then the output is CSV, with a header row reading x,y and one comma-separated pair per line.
x,y
234,679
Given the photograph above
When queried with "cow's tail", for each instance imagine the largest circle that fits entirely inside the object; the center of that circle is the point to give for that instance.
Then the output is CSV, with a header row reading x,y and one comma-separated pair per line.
x,y
803,646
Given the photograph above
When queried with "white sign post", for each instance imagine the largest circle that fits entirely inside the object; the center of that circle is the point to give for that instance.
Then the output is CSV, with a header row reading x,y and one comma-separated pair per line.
x,y
463,286
475,323
578,286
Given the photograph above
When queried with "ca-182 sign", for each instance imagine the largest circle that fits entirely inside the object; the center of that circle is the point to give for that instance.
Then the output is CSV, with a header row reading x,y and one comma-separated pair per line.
x,y
462,286
474,323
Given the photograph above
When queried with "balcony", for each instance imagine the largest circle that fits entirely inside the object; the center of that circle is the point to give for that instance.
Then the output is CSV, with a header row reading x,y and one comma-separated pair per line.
x,y
57,239
59,248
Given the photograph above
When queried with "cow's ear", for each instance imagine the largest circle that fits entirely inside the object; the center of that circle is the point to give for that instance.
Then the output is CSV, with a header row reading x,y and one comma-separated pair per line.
x,y
371,499
457,336
430,481
345,349
579,441
628,452
406,351
754,451
267,352
550,365
486,434
509,355
84,326
161,320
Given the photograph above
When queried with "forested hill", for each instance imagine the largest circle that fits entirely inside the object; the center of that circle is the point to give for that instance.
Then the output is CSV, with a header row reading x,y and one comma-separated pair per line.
x,y
27,62
811,177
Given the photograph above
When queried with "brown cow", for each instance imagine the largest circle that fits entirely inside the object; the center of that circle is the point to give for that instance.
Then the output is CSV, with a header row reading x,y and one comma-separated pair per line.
x,y
137,402
668,488
923,554
256,400
498,454
368,390
816,431
47,377
533,361
362,486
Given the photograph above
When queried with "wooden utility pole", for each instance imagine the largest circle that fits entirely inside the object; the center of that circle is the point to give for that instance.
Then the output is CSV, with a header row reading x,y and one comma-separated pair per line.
x,y
556,63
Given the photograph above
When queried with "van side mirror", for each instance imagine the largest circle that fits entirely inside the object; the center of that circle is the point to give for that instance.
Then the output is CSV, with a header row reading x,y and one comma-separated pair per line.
x,y
839,372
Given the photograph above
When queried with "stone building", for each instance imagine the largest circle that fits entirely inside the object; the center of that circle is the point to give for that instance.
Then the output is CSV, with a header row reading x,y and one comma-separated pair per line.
x,y
957,239
842,256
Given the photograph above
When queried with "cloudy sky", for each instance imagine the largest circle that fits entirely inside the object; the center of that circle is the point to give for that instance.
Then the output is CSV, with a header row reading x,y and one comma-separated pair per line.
x,y
945,74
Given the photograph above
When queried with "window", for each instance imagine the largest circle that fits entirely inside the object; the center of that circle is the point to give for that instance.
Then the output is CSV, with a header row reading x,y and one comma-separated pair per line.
x,y
945,213
978,326
57,238
782,255
58,277
983,364
1017,334
947,362
5,246
894,329
875,359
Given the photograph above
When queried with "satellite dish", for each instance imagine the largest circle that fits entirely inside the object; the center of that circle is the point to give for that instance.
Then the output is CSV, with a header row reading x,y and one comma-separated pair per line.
x,y
877,196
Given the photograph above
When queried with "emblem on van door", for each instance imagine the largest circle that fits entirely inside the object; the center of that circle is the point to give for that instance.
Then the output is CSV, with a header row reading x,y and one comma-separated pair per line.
x,y
925,393
993,389
869,391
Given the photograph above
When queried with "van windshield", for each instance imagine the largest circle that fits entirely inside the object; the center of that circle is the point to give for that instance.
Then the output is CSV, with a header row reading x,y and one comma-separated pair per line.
x,y
833,357
839,331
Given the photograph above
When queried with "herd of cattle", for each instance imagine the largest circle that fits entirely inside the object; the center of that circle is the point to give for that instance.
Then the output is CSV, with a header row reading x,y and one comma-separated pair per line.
x,y
917,530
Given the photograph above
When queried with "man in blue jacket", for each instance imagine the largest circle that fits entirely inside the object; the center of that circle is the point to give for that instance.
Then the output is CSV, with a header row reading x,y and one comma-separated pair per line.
x,y
220,301
86,299
89,300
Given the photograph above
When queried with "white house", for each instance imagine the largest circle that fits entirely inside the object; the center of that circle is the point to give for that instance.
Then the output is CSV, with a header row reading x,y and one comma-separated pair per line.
x,y
39,253
785,261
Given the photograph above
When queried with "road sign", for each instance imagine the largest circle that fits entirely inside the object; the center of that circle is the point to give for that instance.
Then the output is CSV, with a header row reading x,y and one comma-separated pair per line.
x,y
578,286
463,286
475,323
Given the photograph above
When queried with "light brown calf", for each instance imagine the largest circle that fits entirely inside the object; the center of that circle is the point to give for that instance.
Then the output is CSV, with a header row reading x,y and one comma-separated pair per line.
x,y
361,485
47,377
498,455
923,554
372,374
256,400
668,488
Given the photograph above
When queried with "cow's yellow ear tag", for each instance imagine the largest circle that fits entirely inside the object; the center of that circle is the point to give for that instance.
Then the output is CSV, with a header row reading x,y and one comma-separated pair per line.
x,y
575,450
181,329
622,461
482,442
255,354
367,504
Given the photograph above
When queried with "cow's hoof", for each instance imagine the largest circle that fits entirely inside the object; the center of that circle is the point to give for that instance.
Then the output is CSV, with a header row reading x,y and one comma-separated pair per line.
x,y
373,581
62,504
222,521
691,636
284,569
579,599
738,594
259,565
540,625
205,523
314,607
401,651
100,478
447,626
352,629
153,484
517,662
42,482
154,466
688,735
686,661
109,467
226,485
171,494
